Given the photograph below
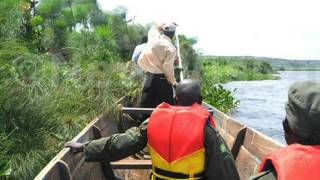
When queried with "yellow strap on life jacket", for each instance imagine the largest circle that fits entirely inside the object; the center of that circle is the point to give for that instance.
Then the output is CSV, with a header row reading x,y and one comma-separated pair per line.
x,y
188,165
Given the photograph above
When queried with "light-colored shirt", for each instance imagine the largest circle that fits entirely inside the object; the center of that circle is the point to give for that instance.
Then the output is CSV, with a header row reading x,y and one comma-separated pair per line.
x,y
158,55
137,51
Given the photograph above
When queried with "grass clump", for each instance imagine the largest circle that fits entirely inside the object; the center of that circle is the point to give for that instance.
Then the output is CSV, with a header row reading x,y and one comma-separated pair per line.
x,y
45,103
217,70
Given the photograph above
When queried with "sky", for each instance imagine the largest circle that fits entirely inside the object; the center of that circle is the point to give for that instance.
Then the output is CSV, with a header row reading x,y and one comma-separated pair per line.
x,y
269,28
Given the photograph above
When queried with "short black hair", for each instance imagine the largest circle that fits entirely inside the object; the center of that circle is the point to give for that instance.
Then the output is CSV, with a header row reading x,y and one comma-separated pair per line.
x,y
170,34
188,92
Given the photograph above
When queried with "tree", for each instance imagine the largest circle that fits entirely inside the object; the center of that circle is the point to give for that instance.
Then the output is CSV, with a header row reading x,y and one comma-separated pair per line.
x,y
265,68
188,53
250,69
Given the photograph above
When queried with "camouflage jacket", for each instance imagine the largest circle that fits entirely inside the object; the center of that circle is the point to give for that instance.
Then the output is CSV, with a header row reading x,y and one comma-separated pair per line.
x,y
219,163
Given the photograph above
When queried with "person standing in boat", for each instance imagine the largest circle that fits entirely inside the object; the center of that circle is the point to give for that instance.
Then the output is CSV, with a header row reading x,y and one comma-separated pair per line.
x,y
300,160
182,140
138,72
157,61
138,49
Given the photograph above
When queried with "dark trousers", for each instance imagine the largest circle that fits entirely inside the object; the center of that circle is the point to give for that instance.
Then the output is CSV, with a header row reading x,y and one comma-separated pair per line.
x,y
156,90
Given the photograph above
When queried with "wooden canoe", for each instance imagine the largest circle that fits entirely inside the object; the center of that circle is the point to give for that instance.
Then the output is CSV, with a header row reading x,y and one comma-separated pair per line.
x,y
247,145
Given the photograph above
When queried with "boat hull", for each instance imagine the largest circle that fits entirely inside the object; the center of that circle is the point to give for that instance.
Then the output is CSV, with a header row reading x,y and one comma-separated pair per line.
x,y
247,145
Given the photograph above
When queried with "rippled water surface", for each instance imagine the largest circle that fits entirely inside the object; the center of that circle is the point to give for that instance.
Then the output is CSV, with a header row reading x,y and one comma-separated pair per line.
x,y
262,102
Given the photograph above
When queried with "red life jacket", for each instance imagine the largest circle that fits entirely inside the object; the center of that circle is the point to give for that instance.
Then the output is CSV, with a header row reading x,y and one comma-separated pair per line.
x,y
294,162
175,141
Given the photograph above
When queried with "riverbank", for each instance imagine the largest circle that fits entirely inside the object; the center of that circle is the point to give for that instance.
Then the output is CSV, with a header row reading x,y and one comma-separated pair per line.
x,y
43,110
222,70
218,70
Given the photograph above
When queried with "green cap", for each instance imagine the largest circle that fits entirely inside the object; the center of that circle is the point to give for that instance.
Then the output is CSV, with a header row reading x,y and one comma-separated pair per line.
x,y
303,108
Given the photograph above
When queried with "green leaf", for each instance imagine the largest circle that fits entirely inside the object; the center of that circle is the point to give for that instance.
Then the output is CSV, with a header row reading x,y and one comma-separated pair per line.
x,y
36,21
61,23
81,12
104,32
6,172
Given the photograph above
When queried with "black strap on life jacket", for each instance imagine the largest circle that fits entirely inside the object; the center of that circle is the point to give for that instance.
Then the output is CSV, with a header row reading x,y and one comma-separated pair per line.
x,y
175,175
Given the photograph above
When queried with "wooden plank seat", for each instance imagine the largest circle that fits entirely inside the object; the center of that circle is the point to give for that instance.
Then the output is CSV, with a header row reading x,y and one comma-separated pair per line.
x,y
130,163
130,110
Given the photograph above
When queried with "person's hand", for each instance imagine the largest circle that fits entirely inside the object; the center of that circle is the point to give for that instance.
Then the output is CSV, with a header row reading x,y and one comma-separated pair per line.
x,y
159,26
75,146
174,84
176,62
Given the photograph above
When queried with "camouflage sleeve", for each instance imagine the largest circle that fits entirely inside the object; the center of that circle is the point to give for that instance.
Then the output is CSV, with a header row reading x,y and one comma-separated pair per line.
x,y
219,163
117,146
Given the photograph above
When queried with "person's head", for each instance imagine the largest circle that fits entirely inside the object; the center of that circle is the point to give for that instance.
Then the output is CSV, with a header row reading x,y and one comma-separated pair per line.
x,y
302,122
169,29
144,39
188,92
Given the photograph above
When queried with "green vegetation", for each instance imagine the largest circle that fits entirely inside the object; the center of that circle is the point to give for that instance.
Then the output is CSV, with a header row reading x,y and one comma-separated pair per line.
x,y
42,110
62,62
219,97
279,64
221,70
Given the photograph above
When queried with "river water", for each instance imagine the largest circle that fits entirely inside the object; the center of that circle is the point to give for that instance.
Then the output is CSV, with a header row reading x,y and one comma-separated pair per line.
x,y
262,102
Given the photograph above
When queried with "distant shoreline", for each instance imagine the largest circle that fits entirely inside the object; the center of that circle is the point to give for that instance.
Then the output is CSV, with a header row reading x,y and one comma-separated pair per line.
x,y
300,70
258,58
277,63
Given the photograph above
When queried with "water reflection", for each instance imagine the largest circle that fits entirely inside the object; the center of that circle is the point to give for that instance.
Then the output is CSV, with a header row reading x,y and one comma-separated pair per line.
x,y
262,102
